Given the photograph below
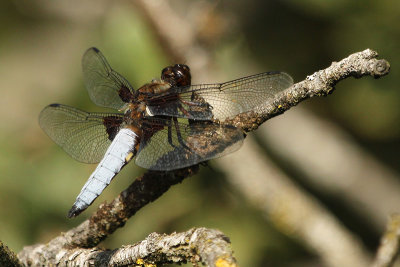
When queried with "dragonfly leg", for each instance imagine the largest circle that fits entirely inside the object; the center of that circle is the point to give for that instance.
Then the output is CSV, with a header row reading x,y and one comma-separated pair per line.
x,y
169,125
179,135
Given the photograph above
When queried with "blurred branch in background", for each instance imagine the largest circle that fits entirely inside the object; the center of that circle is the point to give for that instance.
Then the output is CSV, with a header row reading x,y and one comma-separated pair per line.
x,y
208,246
292,210
336,166
178,36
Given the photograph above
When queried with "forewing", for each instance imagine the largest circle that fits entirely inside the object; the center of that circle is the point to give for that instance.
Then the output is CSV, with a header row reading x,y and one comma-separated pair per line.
x,y
199,141
84,136
106,87
222,100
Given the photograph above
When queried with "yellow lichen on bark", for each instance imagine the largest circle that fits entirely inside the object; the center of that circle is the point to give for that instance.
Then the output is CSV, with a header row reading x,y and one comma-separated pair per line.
x,y
222,262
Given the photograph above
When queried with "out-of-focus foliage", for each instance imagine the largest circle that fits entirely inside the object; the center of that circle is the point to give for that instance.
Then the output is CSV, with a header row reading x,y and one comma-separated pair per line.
x,y
41,44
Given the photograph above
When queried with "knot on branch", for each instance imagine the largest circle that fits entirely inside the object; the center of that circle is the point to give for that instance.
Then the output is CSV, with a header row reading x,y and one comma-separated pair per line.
x,y
380,68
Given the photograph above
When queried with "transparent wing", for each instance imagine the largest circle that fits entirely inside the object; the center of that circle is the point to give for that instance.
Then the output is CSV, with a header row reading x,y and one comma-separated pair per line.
x,y
106,87
167,145
84,136
220,100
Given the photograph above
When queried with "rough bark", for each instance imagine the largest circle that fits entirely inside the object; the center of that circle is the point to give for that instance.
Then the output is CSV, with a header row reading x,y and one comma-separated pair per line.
x,y
207,246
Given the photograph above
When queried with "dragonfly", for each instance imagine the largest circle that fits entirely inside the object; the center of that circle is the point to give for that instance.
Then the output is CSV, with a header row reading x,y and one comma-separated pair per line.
x,y
166,124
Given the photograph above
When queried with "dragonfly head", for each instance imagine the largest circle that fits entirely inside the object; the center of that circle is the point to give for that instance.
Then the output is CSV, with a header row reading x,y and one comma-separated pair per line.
x,y
177,75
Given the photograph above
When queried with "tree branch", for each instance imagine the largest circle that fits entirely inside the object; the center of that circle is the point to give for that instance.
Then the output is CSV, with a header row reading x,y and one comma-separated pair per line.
x,y
320,83
110,217
211,247
389,248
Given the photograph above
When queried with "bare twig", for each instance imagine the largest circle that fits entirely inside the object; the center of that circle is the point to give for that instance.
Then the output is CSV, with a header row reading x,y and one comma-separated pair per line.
x,y
389,248
208,246
8,257
321,83
110,217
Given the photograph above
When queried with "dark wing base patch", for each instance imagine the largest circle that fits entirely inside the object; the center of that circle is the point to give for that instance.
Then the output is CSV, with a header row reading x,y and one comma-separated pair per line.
x,y
84,136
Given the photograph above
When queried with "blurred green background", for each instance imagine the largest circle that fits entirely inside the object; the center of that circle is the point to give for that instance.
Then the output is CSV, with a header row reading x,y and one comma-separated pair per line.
x,y
41,44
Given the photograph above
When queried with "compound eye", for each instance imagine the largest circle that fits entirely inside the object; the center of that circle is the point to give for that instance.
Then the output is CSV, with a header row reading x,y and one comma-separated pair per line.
x,y
167,73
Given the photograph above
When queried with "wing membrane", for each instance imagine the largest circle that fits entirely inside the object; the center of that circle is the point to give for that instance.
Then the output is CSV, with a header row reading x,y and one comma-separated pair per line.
x,y
106,87
84,136
163,148
220,100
